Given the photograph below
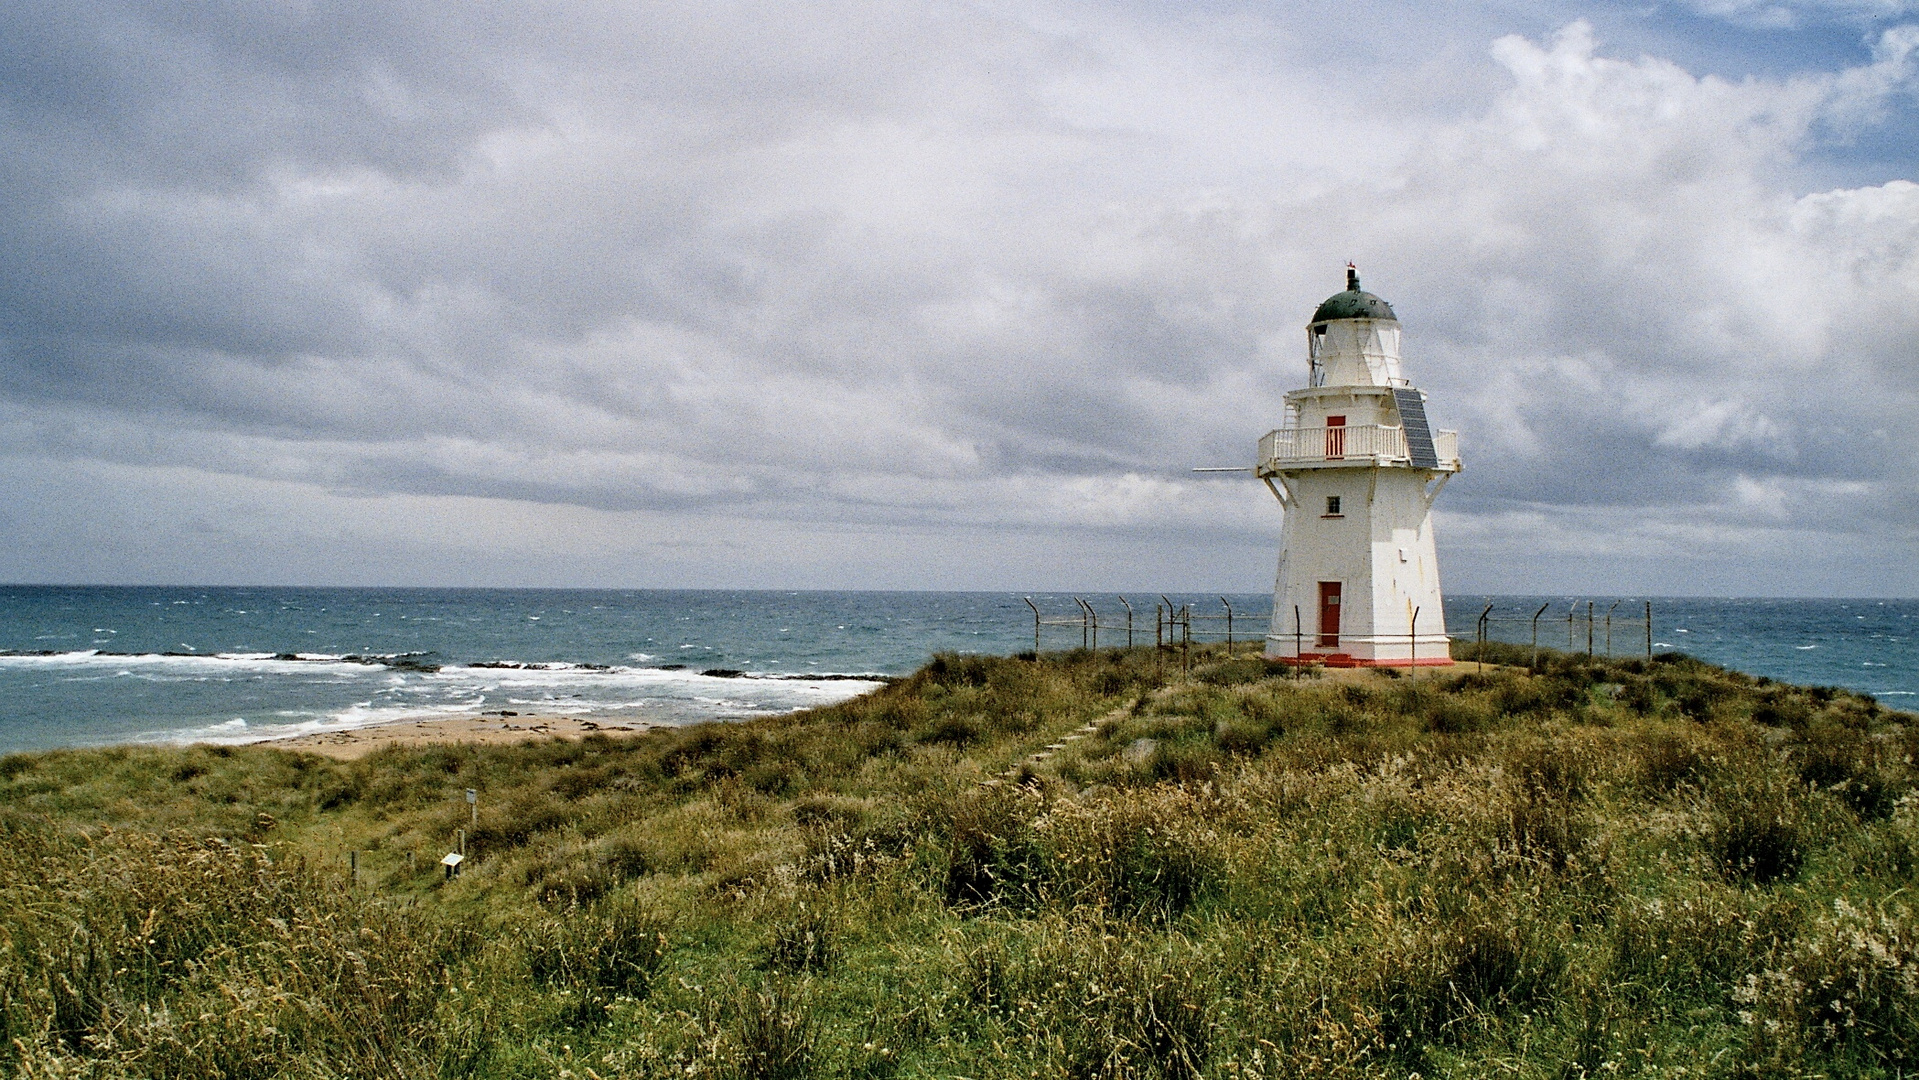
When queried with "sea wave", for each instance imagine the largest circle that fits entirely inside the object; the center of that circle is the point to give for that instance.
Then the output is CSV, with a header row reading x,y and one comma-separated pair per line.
x,y
80,659
414,662
240,731
385,694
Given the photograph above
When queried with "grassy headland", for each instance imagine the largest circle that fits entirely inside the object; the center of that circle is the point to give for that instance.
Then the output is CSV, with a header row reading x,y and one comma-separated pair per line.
x,y
1603,868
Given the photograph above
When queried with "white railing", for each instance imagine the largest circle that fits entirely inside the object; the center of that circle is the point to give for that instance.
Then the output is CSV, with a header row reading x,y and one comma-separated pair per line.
x,y
1358,444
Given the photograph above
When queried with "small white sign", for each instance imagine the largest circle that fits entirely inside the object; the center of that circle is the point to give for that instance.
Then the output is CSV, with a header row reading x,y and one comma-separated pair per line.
x,y
472,796
453,858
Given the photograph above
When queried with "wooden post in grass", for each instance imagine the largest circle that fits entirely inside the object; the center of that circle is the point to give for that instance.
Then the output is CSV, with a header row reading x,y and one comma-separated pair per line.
x,y
1536,615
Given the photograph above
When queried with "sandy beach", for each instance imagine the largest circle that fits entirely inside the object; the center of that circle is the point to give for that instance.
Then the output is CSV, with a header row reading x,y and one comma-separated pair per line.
x,y
495,729
488,729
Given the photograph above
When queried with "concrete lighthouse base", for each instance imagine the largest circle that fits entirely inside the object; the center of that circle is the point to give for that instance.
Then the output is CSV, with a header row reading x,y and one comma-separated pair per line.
x,y
1347,660
1428,650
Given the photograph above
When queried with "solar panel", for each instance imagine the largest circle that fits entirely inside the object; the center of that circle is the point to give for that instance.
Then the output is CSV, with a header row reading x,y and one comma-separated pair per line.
x,y
1419,434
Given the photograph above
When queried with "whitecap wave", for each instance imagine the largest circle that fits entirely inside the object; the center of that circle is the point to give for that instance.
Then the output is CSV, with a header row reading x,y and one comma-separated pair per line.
x,y
374,691
185,662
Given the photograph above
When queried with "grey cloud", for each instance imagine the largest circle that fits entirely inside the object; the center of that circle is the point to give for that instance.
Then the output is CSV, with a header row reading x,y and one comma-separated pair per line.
x,y
921,266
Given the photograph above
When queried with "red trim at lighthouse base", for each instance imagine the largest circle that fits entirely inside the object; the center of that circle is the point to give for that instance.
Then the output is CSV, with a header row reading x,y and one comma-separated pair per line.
x,y
1344,660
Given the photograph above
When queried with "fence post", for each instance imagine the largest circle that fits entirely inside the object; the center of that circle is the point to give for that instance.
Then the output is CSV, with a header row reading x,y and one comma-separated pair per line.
x,y
1649,631
1092,618
1186,638
1129,621
1536,615
1229,624
1609,611
1480,651
1035,607
1589,629
1412,645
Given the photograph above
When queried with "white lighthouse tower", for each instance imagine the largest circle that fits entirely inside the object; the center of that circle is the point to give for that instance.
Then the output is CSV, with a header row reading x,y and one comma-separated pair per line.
x,y
1356,469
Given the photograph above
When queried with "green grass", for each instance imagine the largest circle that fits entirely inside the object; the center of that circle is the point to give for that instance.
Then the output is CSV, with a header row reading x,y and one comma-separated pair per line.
x,y
1601,868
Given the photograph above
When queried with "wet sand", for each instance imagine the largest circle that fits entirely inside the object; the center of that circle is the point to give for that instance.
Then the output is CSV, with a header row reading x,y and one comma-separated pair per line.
x,y
491,730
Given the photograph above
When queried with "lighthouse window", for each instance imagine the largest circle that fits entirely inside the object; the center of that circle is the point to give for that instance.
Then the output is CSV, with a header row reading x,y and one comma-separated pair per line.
x,y
1332,506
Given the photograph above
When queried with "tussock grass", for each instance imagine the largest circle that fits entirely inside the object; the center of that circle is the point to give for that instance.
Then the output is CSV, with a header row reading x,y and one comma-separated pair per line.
x,y
1086,865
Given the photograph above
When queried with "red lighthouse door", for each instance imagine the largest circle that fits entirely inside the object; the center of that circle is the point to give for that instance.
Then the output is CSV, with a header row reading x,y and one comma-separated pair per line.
x,y
1328,614
1335,437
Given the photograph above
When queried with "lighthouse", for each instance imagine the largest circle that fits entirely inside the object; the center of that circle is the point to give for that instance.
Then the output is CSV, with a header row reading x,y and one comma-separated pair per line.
x,y
1356,469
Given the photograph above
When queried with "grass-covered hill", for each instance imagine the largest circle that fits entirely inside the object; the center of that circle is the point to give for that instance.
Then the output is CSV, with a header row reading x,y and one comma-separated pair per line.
x,y
1599,869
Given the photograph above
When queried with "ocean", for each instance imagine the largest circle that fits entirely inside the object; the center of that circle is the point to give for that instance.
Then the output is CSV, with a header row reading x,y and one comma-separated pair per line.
x,y
89,666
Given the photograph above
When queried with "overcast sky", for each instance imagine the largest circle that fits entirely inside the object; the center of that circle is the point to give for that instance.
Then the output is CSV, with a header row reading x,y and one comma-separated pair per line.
x,y
927,294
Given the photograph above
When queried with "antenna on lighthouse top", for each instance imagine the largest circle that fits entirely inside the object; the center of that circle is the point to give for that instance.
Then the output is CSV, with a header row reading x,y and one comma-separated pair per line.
x,y
1352,277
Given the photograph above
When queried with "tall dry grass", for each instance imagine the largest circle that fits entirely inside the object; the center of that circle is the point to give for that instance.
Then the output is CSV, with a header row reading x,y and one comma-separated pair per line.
x,y
1089,865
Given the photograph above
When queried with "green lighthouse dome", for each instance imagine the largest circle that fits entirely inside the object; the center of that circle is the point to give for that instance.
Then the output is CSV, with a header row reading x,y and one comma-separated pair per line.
x,y
1353,303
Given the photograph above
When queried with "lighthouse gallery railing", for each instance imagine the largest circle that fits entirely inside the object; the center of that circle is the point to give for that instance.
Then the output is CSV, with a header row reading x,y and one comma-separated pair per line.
x,y
1358,443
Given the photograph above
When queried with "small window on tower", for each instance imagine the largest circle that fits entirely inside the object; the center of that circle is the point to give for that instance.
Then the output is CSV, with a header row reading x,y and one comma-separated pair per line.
x,y
1332,506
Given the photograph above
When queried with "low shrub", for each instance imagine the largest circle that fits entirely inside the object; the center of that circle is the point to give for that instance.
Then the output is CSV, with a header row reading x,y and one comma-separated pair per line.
x,y
597,952
806,941
991,858
1755,830
1134,854
776,1033
1848,987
